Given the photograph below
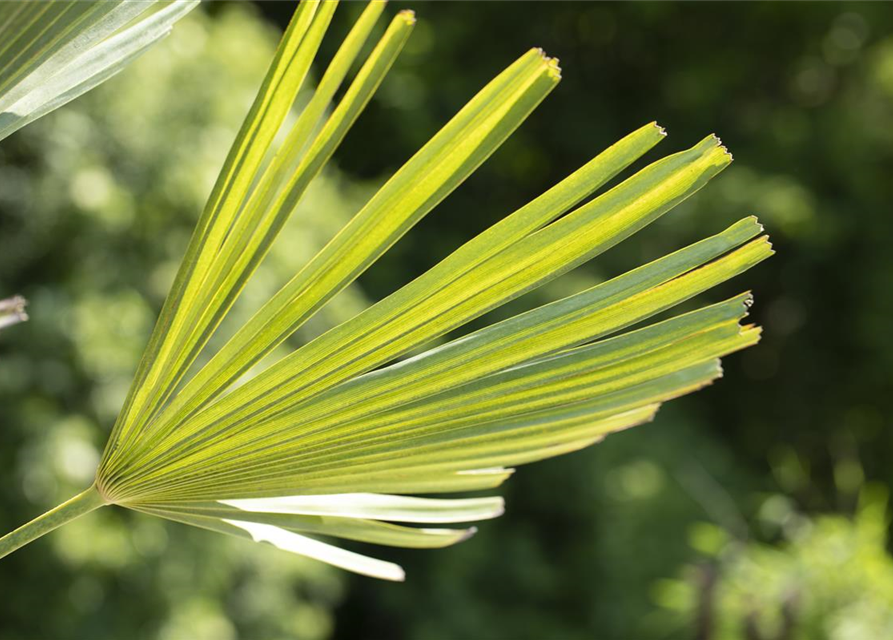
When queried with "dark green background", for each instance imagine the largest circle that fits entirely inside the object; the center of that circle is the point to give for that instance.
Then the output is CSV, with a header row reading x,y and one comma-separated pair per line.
x,y
593,545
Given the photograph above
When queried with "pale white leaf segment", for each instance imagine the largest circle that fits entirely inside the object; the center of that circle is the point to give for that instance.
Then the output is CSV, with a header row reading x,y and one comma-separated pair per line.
x,y
53,51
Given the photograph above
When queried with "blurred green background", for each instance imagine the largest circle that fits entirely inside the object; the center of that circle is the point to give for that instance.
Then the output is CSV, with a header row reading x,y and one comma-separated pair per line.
x,y
756,509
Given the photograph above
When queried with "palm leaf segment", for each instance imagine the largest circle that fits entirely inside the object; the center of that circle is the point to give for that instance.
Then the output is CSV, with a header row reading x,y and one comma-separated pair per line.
x,y
53,51
330,439
12,311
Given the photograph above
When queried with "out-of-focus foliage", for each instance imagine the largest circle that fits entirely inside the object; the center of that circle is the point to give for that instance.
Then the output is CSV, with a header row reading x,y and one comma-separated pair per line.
x,y
98,201
831,577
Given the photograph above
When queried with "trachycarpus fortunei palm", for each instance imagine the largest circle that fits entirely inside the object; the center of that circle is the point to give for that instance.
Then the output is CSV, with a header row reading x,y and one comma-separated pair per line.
x,y
337,437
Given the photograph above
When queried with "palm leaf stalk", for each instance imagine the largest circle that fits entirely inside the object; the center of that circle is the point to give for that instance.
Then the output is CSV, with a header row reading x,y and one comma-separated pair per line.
x,y
339,437
53,51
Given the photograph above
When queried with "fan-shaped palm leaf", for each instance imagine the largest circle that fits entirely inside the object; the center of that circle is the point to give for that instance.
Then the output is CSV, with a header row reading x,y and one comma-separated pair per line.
x,y
330,439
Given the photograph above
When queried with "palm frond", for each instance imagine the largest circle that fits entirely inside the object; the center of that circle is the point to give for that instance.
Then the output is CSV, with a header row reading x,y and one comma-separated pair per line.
x,y
54,51
336,437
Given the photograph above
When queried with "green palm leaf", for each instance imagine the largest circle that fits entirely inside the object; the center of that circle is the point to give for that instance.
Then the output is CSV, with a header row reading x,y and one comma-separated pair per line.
x,y
54,51
335,438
